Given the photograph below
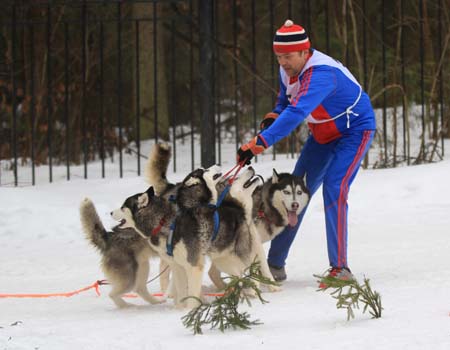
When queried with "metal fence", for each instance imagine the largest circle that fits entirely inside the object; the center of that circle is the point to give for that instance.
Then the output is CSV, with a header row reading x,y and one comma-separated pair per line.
x,y
89,80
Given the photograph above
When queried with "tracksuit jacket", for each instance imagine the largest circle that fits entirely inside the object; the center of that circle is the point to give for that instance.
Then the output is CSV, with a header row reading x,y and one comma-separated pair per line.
x,y
342,123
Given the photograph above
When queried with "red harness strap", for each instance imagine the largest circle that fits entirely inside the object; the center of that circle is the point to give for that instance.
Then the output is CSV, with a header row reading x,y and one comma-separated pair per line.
x,y
158,228
262,215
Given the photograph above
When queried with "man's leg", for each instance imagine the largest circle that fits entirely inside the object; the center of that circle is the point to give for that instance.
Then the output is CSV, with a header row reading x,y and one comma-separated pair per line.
x,y
343,168
314,160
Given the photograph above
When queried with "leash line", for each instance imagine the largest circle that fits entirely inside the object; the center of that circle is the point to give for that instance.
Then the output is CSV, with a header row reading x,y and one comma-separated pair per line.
x,y
94,286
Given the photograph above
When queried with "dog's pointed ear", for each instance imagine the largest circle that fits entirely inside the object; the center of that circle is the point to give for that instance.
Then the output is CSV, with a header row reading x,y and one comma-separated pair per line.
x,y
143,200
150,191
304,180
274,176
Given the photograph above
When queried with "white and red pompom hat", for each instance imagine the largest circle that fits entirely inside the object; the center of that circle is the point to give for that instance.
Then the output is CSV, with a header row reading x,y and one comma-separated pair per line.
x,y
290,38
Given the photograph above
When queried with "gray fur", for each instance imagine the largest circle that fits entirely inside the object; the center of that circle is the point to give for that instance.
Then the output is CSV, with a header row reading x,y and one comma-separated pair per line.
x,y
124,255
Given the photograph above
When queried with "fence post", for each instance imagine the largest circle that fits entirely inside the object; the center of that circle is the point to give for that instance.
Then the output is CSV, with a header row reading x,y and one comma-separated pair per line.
x,y
208,152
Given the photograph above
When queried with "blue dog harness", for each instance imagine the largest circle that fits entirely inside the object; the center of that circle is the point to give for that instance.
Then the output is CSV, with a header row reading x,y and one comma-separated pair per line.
x,y
216,217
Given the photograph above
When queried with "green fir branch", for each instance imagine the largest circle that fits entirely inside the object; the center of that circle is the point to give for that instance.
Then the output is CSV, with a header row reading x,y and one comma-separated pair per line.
x,y
349,294
223,312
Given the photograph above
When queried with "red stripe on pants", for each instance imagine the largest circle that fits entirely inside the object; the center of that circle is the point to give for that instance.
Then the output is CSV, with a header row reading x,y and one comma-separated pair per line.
x,y
342,210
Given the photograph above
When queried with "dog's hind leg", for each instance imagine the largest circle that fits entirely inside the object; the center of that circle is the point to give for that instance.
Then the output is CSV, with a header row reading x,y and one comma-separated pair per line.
x,y
141,281
214,275
116,295
164,273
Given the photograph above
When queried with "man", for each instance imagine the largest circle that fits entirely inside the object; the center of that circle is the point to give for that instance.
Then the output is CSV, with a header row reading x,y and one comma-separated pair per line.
x,y
315,87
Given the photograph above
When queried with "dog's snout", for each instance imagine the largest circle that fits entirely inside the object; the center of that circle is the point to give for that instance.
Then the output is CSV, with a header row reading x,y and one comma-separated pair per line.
x,y
295,206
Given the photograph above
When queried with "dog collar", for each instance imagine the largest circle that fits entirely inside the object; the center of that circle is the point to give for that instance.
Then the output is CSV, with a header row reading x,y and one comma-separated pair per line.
x,y
263,215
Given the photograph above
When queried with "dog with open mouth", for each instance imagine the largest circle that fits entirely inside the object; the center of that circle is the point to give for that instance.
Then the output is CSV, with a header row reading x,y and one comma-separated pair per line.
x,y
125,256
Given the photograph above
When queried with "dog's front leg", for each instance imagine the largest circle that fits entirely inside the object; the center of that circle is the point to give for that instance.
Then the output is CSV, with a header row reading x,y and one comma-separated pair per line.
x,y
194,277
179,283
261,257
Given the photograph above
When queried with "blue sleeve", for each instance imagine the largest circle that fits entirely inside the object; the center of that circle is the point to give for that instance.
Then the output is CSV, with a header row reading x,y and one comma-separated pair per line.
x,y
316,84
282,100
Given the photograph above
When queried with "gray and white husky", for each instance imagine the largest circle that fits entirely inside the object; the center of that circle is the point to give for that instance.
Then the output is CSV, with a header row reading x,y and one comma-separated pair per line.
x,y
278,203
125,256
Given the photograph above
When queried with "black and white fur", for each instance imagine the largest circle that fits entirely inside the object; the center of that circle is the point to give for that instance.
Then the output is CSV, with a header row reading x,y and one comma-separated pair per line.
x,y
280,200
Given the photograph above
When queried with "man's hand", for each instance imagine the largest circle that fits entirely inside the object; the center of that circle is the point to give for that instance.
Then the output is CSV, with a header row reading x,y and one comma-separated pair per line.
x,y
246,152
269,118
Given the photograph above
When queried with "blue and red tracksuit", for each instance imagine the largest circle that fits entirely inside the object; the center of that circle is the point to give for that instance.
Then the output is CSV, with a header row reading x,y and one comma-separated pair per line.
x,y
342,125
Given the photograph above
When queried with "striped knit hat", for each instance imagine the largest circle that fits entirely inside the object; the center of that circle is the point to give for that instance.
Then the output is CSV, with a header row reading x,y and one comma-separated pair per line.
x,y
290,38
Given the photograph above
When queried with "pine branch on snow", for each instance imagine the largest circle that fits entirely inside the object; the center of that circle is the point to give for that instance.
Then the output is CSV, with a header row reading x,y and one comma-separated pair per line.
x,y
223,312
349,293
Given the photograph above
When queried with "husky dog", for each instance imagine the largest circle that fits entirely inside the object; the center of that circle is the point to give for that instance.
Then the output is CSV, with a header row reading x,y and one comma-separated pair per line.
x,y
125,256
278,203
232,243
144,212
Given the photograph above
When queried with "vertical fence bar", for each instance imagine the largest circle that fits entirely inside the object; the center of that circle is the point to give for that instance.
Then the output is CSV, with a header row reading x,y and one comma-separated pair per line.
x,y
83,86
308,20
383,54
138,99
49,94
66,97
102,95
272,66
292,135
346,20
441,87
155,71
422,83
218,108
364,34
173,105
327,26
402,57
14,88
235,70
253,25
32,105
206,68
191,83
119,84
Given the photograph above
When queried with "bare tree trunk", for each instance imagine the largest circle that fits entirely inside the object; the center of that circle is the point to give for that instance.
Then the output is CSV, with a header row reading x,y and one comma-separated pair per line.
x,y
147,77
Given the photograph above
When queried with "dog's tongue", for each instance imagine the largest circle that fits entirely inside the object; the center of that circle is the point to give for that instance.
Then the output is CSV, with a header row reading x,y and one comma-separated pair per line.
x,y
292,218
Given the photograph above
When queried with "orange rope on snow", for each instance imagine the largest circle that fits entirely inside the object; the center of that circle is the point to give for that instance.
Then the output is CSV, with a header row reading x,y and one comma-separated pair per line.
x,y
50,295
95,286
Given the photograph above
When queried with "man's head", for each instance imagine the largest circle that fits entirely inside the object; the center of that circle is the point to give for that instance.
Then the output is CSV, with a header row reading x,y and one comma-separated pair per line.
x,y
291,46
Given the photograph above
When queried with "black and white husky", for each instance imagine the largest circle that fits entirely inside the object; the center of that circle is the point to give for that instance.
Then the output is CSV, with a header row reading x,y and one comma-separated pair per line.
x,y
278,203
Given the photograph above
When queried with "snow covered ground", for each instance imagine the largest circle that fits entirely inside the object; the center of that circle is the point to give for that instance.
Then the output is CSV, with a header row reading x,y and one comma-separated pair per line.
x,y
399,237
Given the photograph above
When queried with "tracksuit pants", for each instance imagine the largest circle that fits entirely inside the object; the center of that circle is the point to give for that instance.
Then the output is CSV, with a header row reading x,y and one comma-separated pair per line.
x,y
333,165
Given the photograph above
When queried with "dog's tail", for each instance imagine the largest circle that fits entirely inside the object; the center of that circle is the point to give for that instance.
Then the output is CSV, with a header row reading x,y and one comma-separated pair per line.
x,y
92,226
157,165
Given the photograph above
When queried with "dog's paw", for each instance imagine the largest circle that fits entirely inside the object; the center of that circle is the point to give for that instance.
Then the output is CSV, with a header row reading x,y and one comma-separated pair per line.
x,y
249,292
274,289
